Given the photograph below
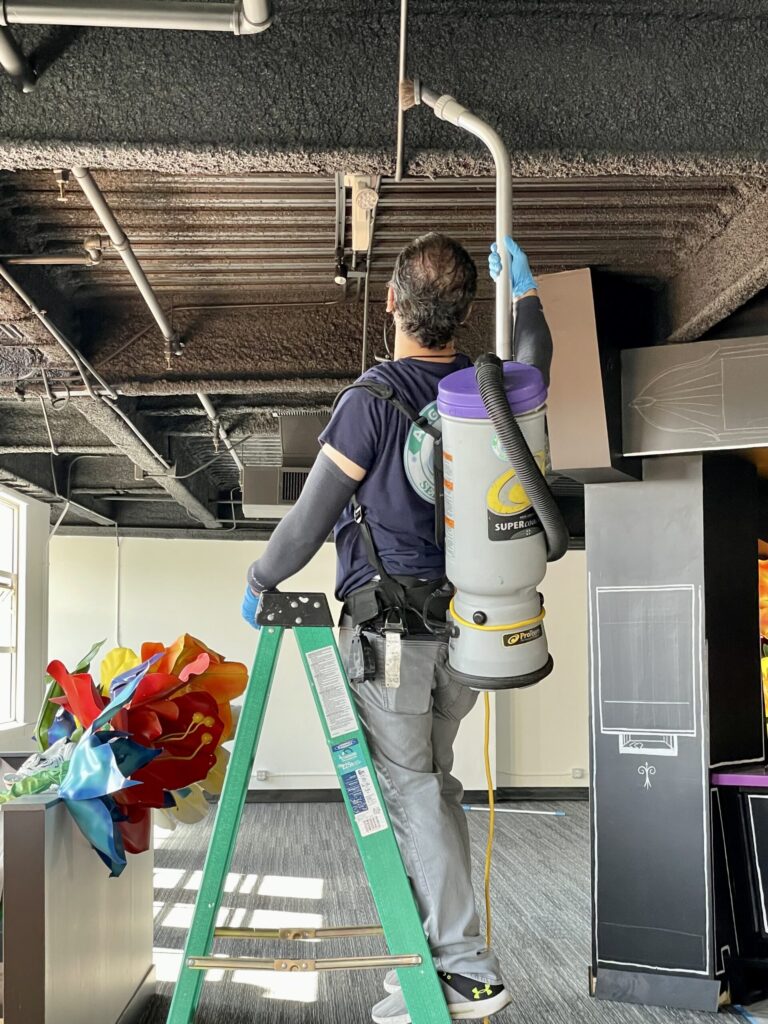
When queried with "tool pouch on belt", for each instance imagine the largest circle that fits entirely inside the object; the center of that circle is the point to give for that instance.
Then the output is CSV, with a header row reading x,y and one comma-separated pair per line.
x,y
361,661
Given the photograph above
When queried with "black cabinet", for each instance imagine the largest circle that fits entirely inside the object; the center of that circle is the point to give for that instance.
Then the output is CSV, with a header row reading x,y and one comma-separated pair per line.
x,y
675,691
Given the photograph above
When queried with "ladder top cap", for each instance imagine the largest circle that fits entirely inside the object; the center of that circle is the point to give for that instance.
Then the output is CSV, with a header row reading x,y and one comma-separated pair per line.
x,y
294,610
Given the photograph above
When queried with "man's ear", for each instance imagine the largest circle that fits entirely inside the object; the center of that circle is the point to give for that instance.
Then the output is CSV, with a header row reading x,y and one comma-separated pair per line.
x,y
390,299
469,313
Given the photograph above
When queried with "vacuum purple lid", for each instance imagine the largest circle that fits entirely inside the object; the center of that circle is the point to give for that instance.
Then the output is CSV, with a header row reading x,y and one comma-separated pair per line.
x,y
458,394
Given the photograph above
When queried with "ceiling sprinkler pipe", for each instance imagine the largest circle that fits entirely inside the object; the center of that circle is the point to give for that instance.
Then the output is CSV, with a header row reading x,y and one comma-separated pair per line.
x,y
220,430
119,240
252,16
449,109
93,247
61,260
91,256
246,17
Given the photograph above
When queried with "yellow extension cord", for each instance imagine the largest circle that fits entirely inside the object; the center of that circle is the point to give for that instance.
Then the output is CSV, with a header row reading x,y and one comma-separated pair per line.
x,y
491,821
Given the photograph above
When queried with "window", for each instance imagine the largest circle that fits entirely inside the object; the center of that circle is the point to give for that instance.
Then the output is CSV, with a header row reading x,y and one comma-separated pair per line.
x,y
24,528
9,579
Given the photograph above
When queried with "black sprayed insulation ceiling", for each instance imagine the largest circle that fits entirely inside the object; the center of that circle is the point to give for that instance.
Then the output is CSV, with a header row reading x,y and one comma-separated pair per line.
x,y
207,234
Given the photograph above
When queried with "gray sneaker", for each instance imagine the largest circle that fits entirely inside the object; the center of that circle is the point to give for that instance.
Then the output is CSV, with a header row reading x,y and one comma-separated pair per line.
x,y
467,999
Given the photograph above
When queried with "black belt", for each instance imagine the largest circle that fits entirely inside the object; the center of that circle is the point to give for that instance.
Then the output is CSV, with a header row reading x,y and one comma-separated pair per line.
x,y
368,605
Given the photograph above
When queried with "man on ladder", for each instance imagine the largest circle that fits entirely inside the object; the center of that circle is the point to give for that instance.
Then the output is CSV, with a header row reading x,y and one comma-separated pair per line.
x,y
376,482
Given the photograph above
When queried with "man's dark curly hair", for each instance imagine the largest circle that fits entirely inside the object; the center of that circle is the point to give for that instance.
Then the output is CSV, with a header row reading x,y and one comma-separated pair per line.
x,y
435,281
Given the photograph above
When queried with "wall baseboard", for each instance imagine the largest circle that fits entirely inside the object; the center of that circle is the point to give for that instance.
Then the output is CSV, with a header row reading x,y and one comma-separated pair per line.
x,y
514,793
511,794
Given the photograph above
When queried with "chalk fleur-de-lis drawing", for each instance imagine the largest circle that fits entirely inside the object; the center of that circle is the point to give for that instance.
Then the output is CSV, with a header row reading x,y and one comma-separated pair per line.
x,y
647,770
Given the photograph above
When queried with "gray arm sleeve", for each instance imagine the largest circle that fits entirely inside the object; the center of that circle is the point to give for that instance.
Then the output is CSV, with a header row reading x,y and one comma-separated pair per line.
x,y
533,342
300,535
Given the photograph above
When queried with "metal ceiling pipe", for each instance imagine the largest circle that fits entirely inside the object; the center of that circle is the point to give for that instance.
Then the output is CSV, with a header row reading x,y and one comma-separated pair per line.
x,y
63,260
120,241
91,256
13,61
449,109
83,366
245,17
220,430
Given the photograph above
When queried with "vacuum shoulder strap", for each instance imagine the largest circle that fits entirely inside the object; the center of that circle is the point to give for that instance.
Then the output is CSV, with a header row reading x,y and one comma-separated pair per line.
x,y
385,392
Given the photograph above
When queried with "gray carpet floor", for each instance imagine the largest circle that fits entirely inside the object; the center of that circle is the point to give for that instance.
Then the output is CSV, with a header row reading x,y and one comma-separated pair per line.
x,y
297,863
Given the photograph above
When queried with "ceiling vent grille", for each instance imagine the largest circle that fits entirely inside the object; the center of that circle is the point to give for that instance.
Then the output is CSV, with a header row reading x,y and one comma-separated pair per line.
x,y
277,467
293,483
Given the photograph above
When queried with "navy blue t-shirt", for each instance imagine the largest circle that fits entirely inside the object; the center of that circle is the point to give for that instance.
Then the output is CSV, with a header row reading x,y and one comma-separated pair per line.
x,y
398,492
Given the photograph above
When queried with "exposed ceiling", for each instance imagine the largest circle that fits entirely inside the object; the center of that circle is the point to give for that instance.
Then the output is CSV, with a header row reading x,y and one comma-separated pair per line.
x,y
636,137
198,234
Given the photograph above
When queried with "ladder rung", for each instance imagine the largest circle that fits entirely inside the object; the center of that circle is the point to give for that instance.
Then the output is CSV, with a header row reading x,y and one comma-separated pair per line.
x,y
251,963
299,934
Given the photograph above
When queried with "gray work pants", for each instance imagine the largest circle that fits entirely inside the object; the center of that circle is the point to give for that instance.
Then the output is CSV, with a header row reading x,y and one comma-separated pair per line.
x,y
411,730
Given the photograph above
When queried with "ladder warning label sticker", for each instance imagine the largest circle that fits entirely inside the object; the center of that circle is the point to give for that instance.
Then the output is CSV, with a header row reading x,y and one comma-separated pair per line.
x,y
348,756
331,689
371,818
358,785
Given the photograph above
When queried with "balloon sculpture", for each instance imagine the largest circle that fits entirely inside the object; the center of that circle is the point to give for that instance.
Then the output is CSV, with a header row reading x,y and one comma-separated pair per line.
x,y
148,737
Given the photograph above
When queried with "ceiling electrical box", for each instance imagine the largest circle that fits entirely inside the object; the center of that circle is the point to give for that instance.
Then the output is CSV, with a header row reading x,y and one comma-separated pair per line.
x,y
269,489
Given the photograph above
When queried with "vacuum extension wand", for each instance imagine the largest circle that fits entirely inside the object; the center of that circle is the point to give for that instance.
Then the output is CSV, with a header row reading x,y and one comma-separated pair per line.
x,y
447,108
490,370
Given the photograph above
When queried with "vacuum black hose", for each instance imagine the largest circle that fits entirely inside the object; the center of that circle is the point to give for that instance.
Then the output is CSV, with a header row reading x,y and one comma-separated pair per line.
x,y
489,372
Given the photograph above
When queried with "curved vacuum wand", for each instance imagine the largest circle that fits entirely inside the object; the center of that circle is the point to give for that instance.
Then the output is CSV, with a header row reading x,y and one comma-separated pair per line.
x,y
489,373
449,109
489,370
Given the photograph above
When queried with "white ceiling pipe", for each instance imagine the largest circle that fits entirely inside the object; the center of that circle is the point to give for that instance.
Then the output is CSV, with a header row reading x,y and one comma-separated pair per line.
x,y
13,61
254,16
220,430
119,240
245,17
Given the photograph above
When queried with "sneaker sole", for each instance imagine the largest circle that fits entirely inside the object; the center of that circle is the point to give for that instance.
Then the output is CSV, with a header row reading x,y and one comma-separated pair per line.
x,y
459,1011
476,1011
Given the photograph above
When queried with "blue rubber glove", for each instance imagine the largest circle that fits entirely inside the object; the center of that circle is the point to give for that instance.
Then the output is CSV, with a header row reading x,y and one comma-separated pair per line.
x,y
519,271
251,604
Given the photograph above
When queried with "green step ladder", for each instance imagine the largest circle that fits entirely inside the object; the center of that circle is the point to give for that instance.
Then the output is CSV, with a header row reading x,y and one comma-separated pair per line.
x,y
310,618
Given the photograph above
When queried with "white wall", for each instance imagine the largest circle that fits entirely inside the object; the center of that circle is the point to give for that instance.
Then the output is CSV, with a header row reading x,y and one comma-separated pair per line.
x,y
169,587
542,732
